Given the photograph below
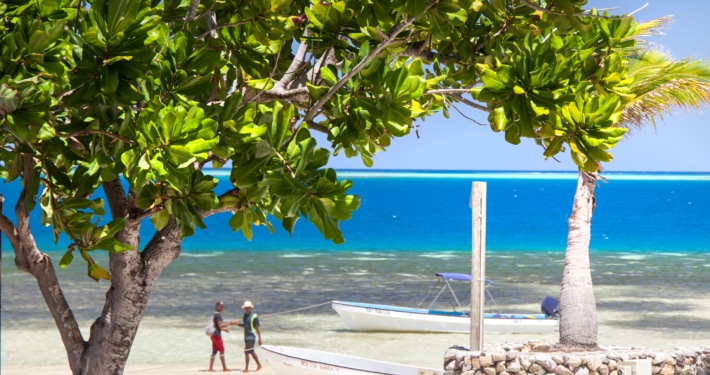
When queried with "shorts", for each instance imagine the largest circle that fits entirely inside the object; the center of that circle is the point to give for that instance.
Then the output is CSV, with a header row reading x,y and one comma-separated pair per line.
x,y
217,344
249,346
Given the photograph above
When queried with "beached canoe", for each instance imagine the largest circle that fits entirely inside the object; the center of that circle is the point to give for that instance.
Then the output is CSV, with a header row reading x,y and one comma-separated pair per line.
x,y
297,361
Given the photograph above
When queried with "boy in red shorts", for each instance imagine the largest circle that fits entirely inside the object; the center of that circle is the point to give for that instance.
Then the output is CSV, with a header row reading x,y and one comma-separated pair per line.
x,y
217,343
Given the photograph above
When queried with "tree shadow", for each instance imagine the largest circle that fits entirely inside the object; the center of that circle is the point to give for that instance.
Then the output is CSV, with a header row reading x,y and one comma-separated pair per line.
x,y
642,306
664,323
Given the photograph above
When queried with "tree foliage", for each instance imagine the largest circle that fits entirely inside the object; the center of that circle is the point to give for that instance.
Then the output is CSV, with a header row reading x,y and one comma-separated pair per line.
x,y
155,91
150,93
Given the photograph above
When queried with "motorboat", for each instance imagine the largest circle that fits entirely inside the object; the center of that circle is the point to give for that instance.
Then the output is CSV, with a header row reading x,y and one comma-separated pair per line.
x,y
360,316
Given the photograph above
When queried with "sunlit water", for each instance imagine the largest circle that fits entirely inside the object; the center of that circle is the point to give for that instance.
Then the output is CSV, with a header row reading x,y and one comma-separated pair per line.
x,y
650,257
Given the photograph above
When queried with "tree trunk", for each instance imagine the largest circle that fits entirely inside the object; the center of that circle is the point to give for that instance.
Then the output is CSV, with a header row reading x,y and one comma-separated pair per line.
x,y
578,311
133,275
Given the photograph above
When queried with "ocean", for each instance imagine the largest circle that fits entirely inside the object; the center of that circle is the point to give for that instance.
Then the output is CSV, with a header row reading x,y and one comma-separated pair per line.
x,y
650,257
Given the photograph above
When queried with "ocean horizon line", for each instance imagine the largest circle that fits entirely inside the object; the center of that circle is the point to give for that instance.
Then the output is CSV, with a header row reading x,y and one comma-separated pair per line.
x,y
506,174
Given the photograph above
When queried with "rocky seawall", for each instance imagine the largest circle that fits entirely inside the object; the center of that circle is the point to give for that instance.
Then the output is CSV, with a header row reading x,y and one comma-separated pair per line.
x,y
540,358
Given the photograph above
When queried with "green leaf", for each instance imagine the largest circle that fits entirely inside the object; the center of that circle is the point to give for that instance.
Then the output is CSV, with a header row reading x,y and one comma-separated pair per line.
x,y
248,174
9,101
39,41
512,135
328,76
97,272
67,258
312,18
316,92
160,219
453,13
179,156
490,80
200,146
498,119
415,8
411,88
32,188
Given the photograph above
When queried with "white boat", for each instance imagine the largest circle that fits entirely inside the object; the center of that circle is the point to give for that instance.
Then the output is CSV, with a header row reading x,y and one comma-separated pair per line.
x,y
297,361
374,317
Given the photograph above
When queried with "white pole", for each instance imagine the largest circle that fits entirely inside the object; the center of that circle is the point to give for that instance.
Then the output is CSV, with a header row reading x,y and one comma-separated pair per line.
x,y
478,262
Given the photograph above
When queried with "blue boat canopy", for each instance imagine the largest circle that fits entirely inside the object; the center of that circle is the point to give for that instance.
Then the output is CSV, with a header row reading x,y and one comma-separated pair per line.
x,y
451,276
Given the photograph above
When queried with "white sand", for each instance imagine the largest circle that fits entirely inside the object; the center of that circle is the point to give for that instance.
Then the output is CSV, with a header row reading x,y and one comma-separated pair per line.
x,y
175,346
185,350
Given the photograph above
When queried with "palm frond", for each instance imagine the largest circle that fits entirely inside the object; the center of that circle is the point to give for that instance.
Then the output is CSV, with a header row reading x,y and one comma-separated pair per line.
x,y
685,94
647,29
662,85
655,67
653,27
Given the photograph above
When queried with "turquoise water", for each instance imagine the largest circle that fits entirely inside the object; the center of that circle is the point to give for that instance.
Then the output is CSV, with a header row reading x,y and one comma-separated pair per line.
x,y
650,256
417,223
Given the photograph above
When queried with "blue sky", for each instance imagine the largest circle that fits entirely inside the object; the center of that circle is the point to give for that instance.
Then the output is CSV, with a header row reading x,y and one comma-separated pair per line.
x,y
679,143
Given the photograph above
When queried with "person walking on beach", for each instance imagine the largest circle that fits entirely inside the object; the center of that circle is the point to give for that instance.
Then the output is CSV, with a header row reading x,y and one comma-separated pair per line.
x,y
217,343
251,333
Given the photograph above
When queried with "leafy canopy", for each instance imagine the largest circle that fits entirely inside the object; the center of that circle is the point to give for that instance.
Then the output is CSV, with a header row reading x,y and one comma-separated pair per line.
x,y
152,92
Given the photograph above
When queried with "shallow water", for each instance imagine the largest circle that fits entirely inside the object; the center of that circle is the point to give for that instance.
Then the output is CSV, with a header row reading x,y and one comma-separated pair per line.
x,y
648,300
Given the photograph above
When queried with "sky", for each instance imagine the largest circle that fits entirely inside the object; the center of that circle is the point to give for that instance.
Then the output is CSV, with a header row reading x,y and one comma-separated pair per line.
x,y
680,142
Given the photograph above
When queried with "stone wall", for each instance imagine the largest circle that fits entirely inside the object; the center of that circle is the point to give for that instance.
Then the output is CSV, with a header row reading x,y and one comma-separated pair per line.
x,y
538,358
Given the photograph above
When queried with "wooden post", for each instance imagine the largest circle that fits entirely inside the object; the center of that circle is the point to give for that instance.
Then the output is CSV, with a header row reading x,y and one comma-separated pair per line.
x,y
2,199
478,263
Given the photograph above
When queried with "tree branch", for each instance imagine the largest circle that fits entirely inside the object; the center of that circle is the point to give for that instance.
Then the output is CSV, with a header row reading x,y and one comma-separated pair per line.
x,y
222,209
7,227
465,116
163,248
116,197
271,76
317,127
296,65
425,55
217,27
100,132
473,105
192,11
447,92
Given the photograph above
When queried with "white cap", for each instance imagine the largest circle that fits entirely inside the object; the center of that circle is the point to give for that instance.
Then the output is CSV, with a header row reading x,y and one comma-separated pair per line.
x,y
247,304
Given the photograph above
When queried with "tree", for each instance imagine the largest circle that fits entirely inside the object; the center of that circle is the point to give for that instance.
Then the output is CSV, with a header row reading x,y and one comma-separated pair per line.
x,y
137,97
659,84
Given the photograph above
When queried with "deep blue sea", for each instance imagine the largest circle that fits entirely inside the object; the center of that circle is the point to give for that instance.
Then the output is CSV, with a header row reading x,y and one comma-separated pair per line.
x,y
650,258
526,211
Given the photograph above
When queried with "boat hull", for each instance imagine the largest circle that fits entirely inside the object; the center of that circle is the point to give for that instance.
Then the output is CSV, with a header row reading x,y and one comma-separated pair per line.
x,y
297,361
373,317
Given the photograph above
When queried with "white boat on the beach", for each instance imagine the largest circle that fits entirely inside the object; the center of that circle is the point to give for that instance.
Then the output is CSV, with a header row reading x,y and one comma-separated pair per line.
x,y
297,361
374,317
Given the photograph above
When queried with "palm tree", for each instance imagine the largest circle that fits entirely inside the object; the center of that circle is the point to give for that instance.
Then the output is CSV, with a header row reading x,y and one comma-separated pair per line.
x,y
660,85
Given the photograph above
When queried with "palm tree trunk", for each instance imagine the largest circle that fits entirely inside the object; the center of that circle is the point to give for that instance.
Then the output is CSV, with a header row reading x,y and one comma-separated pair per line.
x,y
578,317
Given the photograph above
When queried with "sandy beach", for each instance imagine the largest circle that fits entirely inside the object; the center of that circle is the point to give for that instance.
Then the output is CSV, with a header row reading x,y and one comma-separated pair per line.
x,y
185,350
138,370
